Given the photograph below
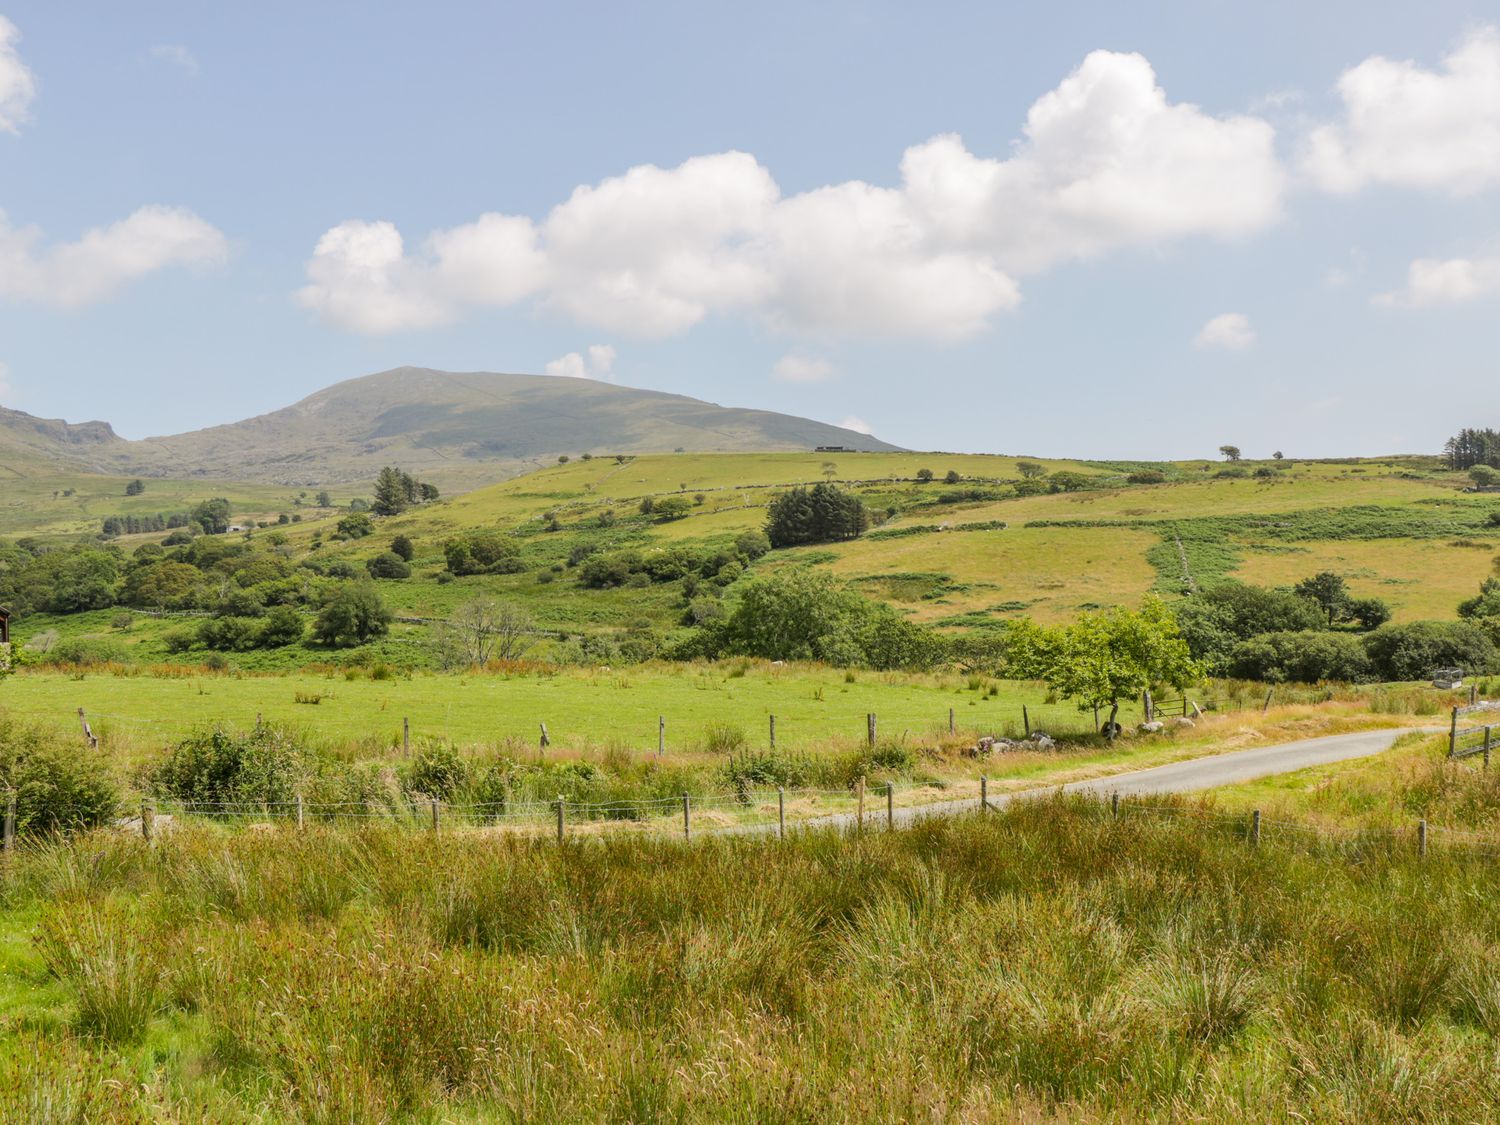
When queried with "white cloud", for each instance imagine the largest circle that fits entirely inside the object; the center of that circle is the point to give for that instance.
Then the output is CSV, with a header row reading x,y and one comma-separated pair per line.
x,y
795,367
858,425
1228,330
1106,161
17,85
1433,281
1403,124
77,273
175,54
598,363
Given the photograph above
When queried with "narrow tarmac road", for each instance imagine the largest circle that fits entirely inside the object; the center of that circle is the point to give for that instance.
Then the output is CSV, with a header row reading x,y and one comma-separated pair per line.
x,y
1188,776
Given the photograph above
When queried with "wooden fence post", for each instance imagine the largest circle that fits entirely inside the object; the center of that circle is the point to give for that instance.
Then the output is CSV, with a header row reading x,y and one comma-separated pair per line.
x,y
1146,706
148,819
1453,735
559,818
1114,804
437,807
9,840
1473,694
300,813
984,792
406,736
1026,720
890,804
781,812
870,723
89,737
950,721
1422,837
773,732
546,738
1487,746
1255,828
859,795
1266,706
1096,718
661,735
687,817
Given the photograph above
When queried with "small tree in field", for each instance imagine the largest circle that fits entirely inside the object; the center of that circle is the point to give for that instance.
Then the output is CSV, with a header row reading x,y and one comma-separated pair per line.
x,y
353,615
952,477
1230,452
483,630
924,475
1104,658
1328,590
1030,470
135,487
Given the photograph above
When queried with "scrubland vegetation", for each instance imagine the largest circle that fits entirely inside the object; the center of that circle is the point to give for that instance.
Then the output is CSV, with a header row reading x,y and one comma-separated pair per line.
x,y
1045,962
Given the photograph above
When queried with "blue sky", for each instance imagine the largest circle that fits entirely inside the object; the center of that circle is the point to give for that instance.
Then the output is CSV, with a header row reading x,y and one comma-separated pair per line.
x,y
1164,227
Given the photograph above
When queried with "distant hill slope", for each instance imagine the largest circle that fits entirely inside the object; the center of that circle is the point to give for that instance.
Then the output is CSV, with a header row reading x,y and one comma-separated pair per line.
x,y
457,429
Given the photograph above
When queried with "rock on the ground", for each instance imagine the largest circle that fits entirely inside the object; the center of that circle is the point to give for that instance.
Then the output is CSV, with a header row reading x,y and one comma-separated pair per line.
x,y
1152,727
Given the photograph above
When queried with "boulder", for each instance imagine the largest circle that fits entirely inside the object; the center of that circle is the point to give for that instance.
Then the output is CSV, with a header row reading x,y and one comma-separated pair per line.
x,y
1152,727
1042,742
1179,723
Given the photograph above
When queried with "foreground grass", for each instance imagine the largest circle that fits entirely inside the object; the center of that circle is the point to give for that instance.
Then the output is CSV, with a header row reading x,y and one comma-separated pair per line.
x,y
1045,962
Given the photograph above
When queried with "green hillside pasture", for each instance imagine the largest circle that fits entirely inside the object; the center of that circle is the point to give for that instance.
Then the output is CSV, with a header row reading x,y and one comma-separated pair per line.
x,y
32,502
1420,579
582,708
1048,574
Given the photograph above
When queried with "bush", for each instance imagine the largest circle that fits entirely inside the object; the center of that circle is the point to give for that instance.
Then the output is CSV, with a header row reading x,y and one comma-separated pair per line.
x,y
88,652
672,508
220,766
177,641
403,548
58,790
1147,476
281,627
1305,657
437,771
356,525
388,565
483,552
1413,651
752,545
353,615
229,634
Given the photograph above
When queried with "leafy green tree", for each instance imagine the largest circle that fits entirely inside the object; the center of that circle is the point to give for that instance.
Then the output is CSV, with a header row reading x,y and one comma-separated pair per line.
x,y
823,513
403,548
427,492
1412,651
924,476
1307,657
1030,470
393,492
1487,604
135,487
354,614
213,516
1230,452
1103,658
1070,482
1329,590
282,626
324,500
1367,613
1484,476
952,477
751,545
672,508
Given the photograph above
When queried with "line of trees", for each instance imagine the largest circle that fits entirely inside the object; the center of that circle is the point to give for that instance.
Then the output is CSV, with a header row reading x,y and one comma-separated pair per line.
x,y
1471,447
823,513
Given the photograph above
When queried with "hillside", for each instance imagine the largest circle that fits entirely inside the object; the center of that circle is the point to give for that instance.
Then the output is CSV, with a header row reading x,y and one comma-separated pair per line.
x,y
459,430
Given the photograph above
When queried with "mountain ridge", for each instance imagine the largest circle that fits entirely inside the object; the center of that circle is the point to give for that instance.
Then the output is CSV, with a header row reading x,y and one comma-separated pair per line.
x,y
459,429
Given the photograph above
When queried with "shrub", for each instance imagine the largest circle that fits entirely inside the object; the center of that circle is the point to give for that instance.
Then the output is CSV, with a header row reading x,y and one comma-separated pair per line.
x,y
356,525
1147,476
672,508
179,640
1412,651
88,652
229,634
437,771
220,766
1305,657
483,552
281,627
58,790
403,548
353,615
388,565
752,545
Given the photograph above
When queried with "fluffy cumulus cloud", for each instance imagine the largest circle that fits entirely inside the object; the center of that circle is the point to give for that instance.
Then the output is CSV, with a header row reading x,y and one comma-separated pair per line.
x,y
1105,161
1411,126
598,362
95,266
794,367
17,85
1434,281
1230,331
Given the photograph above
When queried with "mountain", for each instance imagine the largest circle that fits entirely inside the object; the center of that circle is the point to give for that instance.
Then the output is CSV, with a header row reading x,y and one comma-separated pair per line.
x,y
456,429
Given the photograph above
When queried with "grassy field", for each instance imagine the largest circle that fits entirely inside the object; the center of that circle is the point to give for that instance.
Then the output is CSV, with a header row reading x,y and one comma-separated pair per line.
x,y
1048,963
